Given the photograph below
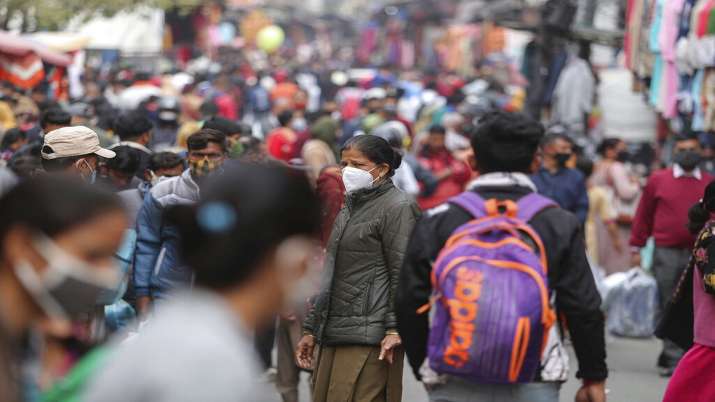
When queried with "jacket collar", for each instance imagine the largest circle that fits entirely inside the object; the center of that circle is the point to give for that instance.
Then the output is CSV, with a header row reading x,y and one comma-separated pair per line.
x,y
362,196
502,179
189,181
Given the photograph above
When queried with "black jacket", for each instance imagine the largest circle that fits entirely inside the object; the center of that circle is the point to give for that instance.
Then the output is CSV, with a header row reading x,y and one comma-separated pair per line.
x,y
569,276
362,267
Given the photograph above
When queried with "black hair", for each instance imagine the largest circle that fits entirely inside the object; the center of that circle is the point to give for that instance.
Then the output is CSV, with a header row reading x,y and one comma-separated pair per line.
x,y
53,205
285,117
200,139
60,164
553,137
377,150
25,166
208,108
585,165
686,137
164,160
125,161
240,220
142,76
132,125
48,104
10,137
607,144
506,142
699,214
456,97
227,127
55,116
437,129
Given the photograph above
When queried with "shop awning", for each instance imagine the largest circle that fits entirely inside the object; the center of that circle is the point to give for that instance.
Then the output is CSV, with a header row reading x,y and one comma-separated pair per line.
x,y
21,60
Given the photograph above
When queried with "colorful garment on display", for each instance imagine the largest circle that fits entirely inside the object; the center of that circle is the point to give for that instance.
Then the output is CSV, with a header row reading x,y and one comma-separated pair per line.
x,y
681,38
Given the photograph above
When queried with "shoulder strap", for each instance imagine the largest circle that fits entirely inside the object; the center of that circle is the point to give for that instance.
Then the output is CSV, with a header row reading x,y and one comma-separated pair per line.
x,y
471,202
530,205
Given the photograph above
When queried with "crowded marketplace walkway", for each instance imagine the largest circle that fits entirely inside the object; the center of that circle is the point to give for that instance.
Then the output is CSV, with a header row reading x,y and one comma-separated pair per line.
x,y
427,200
630,360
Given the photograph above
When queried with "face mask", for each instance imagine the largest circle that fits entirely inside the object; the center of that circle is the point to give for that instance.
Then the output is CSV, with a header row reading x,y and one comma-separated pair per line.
x,y
299,283
92,177
299,125
203,167
154,178
688,160
356,179
69,287
623,156
562,158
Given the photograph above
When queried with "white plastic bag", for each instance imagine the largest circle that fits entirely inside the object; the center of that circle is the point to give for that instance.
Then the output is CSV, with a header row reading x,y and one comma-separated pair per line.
x,y
631,303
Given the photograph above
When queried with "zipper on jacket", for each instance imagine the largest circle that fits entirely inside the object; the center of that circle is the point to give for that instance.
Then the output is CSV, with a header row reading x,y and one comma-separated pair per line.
x,y
370,284
159,261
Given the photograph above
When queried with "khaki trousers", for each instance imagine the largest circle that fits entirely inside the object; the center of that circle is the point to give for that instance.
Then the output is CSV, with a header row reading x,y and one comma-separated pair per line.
x,y
355,374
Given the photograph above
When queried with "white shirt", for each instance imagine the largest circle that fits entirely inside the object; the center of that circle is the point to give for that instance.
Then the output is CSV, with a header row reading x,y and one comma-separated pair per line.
x,y
679,172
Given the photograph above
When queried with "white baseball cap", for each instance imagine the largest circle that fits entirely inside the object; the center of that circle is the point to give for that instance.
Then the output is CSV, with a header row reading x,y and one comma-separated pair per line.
x,y
73,141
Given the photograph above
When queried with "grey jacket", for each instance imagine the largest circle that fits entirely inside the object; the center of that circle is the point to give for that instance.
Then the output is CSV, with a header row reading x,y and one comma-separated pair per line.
x,y
194,349
362,266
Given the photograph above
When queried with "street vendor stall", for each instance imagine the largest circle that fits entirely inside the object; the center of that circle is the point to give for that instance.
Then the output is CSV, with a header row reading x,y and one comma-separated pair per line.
x,y
21,60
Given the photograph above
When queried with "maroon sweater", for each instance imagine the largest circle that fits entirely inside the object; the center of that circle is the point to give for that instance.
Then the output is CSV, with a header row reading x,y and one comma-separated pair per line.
x,y
663,209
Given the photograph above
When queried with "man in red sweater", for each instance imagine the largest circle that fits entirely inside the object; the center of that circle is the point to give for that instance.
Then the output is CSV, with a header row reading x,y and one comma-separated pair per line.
x,y
663,214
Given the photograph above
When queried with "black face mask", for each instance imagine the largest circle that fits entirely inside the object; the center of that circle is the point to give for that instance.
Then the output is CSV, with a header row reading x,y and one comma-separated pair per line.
x,y
623,156
688,160
562,158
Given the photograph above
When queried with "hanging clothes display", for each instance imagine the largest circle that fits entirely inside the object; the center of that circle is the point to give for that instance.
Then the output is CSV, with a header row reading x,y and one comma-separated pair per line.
x,y
656,82
667,38
681,38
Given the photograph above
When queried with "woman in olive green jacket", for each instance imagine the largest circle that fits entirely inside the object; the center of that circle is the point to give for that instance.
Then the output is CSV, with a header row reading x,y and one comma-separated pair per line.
x,y
353,319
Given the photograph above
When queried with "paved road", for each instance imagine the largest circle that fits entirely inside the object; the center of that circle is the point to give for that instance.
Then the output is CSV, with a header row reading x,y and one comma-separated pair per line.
x,y
633,375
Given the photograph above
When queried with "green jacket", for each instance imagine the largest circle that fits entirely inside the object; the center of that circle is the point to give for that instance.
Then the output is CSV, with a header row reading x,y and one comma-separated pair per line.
x,y
362,267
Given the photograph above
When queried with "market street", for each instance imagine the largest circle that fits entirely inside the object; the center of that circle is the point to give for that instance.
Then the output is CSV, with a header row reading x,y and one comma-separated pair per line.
x,y
633,376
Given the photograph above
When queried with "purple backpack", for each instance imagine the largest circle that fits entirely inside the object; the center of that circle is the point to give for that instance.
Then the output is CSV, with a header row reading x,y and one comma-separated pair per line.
x,y
491,311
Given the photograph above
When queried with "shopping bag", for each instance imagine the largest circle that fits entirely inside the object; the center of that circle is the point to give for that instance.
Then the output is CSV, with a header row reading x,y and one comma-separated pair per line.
x,y
631,304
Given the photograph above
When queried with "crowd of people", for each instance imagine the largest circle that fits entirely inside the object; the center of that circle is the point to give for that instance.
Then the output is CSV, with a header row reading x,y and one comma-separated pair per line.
x,y
203,221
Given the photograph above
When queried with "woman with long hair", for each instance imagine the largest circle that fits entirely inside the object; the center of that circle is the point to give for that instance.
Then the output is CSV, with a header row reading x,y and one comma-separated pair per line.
x,y
624,190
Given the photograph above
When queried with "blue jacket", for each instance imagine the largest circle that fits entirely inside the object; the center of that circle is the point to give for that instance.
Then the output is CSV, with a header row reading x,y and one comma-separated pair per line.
x,y
567,187
157,268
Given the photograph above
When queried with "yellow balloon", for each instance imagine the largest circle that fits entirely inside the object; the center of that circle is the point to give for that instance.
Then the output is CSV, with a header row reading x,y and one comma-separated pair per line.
x,y
270,38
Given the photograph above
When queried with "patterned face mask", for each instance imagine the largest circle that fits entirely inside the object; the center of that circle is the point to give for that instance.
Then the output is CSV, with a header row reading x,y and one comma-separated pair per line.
x,y
203,167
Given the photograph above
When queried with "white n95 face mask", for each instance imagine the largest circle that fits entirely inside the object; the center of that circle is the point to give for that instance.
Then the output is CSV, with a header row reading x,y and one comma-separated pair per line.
x,y
69,287
356,179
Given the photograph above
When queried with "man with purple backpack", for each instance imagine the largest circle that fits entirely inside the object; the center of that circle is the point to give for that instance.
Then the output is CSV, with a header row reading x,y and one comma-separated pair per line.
x,y
486,276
